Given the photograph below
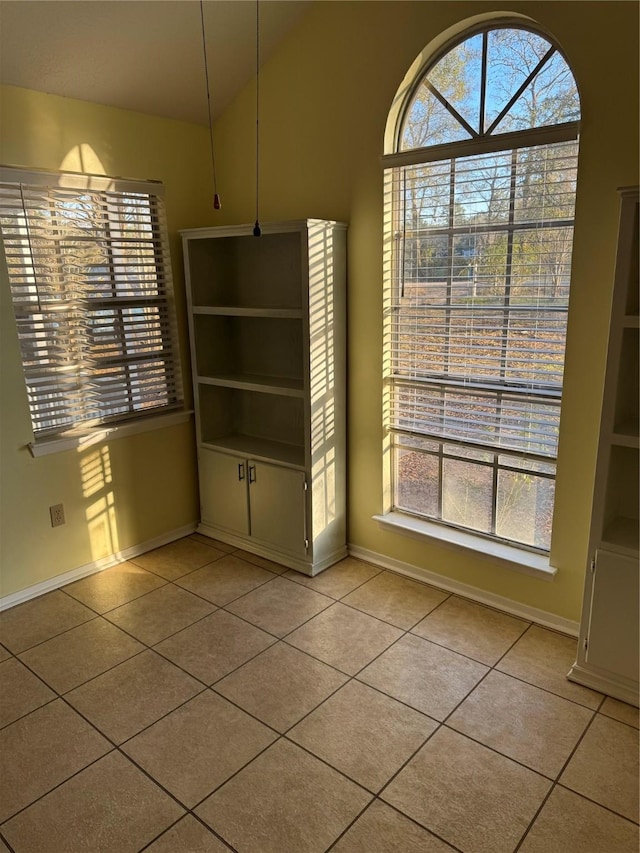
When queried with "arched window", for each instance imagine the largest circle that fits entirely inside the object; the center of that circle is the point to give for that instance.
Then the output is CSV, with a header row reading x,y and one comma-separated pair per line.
x,y
479,194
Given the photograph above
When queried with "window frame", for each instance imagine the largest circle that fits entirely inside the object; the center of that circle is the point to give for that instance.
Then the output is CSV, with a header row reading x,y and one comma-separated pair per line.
x,y
394,517
145,308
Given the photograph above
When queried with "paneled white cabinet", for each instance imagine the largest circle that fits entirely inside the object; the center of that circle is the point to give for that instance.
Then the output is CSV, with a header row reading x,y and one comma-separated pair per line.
x,y
608,658
267,330
251,498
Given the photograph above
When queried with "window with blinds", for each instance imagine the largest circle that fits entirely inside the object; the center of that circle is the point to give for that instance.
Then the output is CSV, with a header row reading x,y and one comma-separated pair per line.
x,y
90,275
478,293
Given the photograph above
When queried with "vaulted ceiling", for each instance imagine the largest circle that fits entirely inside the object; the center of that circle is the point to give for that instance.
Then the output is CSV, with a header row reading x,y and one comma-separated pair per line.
x,y
140,54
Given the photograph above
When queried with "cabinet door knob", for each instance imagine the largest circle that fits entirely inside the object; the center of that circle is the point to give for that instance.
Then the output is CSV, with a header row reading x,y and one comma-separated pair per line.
x,y
252,473
241,471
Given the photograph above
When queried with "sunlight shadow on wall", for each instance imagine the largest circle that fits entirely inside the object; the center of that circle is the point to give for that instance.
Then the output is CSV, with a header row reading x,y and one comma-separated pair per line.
x,y
322,380
97,489
81,158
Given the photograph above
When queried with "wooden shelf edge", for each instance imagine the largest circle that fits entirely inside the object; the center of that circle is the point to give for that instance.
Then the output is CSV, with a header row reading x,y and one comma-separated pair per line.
x,y
235,311
621,535
260,449
622,437
261,385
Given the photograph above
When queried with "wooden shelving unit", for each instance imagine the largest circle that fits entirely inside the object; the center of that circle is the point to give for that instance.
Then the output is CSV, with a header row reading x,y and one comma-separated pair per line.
x,y
267,331
608,658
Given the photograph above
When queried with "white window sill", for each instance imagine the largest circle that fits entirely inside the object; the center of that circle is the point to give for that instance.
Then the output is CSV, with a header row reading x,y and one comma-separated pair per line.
x,y
510,556
86,437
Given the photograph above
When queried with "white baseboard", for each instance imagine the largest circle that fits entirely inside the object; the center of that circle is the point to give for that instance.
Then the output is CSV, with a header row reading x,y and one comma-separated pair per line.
x,y
96,566
605,682
499,602
515,608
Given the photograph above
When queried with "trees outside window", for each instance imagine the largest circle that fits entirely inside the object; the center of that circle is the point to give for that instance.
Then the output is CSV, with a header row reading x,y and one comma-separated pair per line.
x,y
480,196
90,275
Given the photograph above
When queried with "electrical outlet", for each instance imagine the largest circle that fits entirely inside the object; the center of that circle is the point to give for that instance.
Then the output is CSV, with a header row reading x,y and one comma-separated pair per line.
x,y
57,515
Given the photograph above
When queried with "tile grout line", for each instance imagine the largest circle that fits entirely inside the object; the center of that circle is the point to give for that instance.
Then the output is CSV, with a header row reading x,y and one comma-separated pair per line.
x,y
560,784
115,747
350,677
405,632
62,696
282,735
554,784
340,600
28,713
125,631
151,572
174,825
60,634
4,840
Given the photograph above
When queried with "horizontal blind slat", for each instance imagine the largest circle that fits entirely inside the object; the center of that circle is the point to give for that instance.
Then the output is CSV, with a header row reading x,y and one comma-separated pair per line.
x,y
476,311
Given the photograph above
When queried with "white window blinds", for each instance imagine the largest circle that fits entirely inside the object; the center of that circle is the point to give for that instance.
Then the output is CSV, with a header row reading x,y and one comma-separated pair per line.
x,y
478,308
90,275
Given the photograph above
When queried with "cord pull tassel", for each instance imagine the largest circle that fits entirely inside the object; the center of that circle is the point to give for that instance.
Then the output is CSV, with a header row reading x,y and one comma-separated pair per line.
x,y
217,204
257,231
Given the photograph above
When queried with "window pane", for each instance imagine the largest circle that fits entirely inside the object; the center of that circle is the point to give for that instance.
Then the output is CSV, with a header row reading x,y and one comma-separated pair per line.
x,y
534,349
419,343
509,422
467,494
468,452
426,264
458,75
550,98
545,182
418,442
416,482
429,123
524,464
426,195
511,56
482,189
525,508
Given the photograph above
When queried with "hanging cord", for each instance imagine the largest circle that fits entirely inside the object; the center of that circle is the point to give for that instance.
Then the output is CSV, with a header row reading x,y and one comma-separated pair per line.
x,y
257,231
216,198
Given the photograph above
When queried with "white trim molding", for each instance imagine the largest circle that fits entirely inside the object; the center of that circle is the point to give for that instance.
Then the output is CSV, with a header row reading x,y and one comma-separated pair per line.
x,y
498,602
606,682
509,556
83,437
96,566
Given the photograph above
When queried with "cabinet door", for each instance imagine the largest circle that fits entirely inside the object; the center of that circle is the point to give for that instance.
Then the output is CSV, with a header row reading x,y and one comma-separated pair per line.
x,y
223,491
613,628
278,506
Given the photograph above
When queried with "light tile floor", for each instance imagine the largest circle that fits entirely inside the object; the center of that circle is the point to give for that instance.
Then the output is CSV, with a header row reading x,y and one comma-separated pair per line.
x,y
199,699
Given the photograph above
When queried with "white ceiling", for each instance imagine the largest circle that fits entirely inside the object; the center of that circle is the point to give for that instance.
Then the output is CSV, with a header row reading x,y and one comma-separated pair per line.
x,y
141,55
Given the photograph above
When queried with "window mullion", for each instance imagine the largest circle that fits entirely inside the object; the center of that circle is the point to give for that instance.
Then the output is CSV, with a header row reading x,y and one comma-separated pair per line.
x,y
494,492
521,89
449,280
508,267
117,312
440,479
483,82
73,348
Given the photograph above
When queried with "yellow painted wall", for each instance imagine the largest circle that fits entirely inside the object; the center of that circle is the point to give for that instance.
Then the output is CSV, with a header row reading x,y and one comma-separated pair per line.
x,y
118,493
325,98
